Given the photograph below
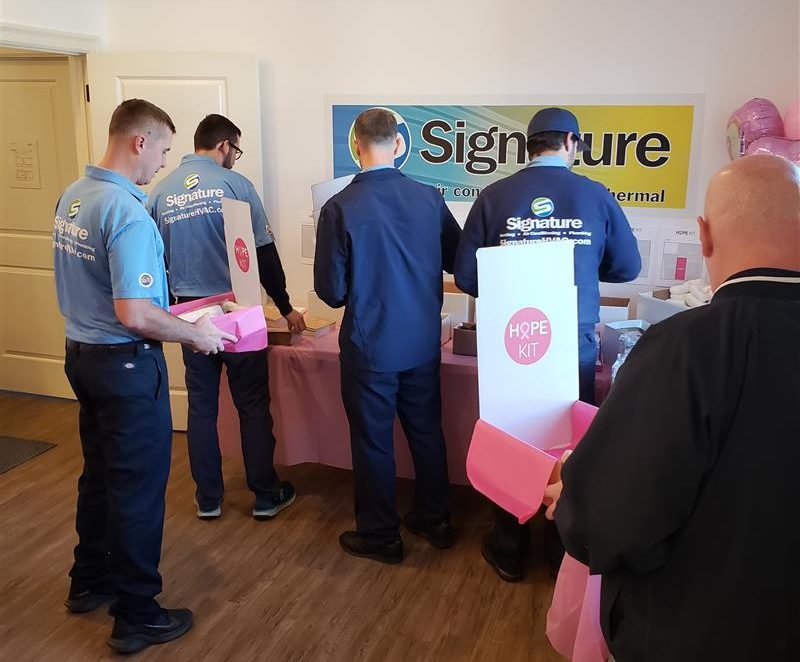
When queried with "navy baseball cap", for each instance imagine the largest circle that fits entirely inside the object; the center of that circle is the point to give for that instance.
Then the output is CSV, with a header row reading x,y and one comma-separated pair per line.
x,y
556,119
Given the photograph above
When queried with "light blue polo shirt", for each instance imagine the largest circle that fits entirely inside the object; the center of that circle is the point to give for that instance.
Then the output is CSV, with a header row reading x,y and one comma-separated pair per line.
x,y
187,207
105,247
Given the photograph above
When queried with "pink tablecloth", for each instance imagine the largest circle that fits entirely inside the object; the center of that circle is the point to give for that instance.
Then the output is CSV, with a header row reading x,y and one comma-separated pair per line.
x,y
310,423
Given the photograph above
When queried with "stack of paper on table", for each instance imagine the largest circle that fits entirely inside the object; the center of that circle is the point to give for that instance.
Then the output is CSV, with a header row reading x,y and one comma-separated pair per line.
x,y
317,327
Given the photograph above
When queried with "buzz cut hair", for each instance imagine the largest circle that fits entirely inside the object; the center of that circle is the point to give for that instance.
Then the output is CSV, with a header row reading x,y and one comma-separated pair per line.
x,y
138,115
376,126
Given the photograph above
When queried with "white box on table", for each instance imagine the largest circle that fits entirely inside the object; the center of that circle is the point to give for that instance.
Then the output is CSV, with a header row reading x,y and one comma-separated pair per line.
x,y
656,306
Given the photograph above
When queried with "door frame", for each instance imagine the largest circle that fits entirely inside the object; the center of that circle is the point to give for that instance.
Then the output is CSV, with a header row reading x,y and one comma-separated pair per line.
x,y
34,38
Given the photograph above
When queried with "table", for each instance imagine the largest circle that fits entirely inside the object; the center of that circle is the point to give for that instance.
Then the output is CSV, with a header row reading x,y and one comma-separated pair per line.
x,y
310,423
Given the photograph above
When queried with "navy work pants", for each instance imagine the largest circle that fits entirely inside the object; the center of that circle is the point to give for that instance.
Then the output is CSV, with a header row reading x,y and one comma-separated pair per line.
x,y
371,400
126,437
248,380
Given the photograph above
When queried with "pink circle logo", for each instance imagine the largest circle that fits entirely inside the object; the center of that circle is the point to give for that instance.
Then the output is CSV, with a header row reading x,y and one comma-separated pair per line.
x,y
242,255
528,336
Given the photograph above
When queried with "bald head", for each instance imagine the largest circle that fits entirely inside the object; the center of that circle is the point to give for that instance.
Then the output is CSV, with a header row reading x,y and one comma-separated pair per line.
x,y
752,217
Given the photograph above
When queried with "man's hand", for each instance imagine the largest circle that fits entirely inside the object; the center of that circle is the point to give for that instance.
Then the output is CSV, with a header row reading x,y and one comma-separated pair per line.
x,y
295,321
208,338
552,492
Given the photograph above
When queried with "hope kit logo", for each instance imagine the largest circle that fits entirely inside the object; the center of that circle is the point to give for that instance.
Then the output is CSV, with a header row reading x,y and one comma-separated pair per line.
x,y
527,336
242,255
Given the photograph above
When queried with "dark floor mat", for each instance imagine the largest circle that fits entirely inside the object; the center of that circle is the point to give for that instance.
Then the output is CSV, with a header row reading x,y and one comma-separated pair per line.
x,y
14,452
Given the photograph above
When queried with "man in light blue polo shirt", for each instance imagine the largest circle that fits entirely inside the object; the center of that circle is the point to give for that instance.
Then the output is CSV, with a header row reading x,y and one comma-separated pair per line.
x,y
187,206
112,290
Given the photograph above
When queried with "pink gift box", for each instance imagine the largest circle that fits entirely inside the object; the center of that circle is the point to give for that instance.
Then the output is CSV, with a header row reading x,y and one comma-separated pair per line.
x,y
514,474
247,324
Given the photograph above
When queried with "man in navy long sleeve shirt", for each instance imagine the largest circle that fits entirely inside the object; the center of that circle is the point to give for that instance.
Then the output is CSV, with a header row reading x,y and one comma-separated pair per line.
x,y
547,202
382,244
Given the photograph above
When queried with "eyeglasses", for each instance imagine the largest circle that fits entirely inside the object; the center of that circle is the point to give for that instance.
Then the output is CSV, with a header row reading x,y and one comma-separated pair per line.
x,y
239,152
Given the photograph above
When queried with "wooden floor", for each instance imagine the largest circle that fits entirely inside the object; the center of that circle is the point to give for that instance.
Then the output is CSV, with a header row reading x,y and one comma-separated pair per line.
x,y
277,591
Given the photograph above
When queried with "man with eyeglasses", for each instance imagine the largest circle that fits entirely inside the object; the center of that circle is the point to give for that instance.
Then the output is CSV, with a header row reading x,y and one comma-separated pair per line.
x,y
197,265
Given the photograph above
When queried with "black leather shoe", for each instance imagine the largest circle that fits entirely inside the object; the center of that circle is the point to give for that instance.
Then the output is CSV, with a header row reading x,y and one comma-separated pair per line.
x,y
133,637
385,552
439,533
82,602
510,568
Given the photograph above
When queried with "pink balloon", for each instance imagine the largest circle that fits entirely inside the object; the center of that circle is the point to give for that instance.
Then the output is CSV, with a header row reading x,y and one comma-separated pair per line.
x,y
791,121
755,119
788,149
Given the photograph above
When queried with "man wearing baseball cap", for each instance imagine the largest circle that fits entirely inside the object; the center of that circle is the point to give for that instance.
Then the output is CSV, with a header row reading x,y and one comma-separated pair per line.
x,y
547,191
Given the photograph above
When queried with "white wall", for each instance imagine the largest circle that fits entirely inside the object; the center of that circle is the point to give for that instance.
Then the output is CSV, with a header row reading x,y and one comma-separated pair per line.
x,y
78,16
728,50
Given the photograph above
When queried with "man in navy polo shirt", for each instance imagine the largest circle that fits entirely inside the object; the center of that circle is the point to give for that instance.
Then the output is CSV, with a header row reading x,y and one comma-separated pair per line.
x,y
544,202
112,290
187,206
382,244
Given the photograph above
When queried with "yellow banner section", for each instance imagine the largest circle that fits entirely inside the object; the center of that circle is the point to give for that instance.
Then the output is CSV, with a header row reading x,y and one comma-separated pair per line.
x,y
641,153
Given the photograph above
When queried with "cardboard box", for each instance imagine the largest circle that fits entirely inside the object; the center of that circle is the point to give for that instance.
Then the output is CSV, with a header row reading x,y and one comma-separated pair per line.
x,y
465,339
527,373
614,309
609,337
318,308
279,336
655,306
447,329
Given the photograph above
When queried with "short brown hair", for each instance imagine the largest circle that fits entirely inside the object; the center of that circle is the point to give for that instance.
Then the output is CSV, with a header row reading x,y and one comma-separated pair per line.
x,y
137,114
545,141
376,126
214,129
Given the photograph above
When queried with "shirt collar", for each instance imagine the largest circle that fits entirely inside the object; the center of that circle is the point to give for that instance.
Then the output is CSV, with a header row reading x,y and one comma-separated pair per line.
x,y
377,167
198,157
113,177
765,275
547,160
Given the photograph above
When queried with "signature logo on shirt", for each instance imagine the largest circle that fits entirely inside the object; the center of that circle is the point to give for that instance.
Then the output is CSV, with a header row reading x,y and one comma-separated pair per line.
x,y
191,181
542,207
402,131
145,279
74,207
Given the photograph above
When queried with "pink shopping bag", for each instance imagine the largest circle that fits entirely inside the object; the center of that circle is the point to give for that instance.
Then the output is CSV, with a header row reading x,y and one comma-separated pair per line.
x,y
514,474
573,620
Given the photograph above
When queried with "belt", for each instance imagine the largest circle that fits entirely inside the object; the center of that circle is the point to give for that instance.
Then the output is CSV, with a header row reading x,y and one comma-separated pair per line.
x,y
117,348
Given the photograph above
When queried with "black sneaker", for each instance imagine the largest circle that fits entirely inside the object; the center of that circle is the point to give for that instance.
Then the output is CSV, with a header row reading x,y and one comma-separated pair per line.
x,y
208,513
133,637
268,507
439,533
509,567
84,601
385,552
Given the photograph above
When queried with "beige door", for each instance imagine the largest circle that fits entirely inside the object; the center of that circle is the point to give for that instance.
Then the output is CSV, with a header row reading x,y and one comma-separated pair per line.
x,y
188,86
44,148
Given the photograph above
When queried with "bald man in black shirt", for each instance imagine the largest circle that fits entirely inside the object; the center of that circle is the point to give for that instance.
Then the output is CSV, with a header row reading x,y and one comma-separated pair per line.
x,y
684,493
